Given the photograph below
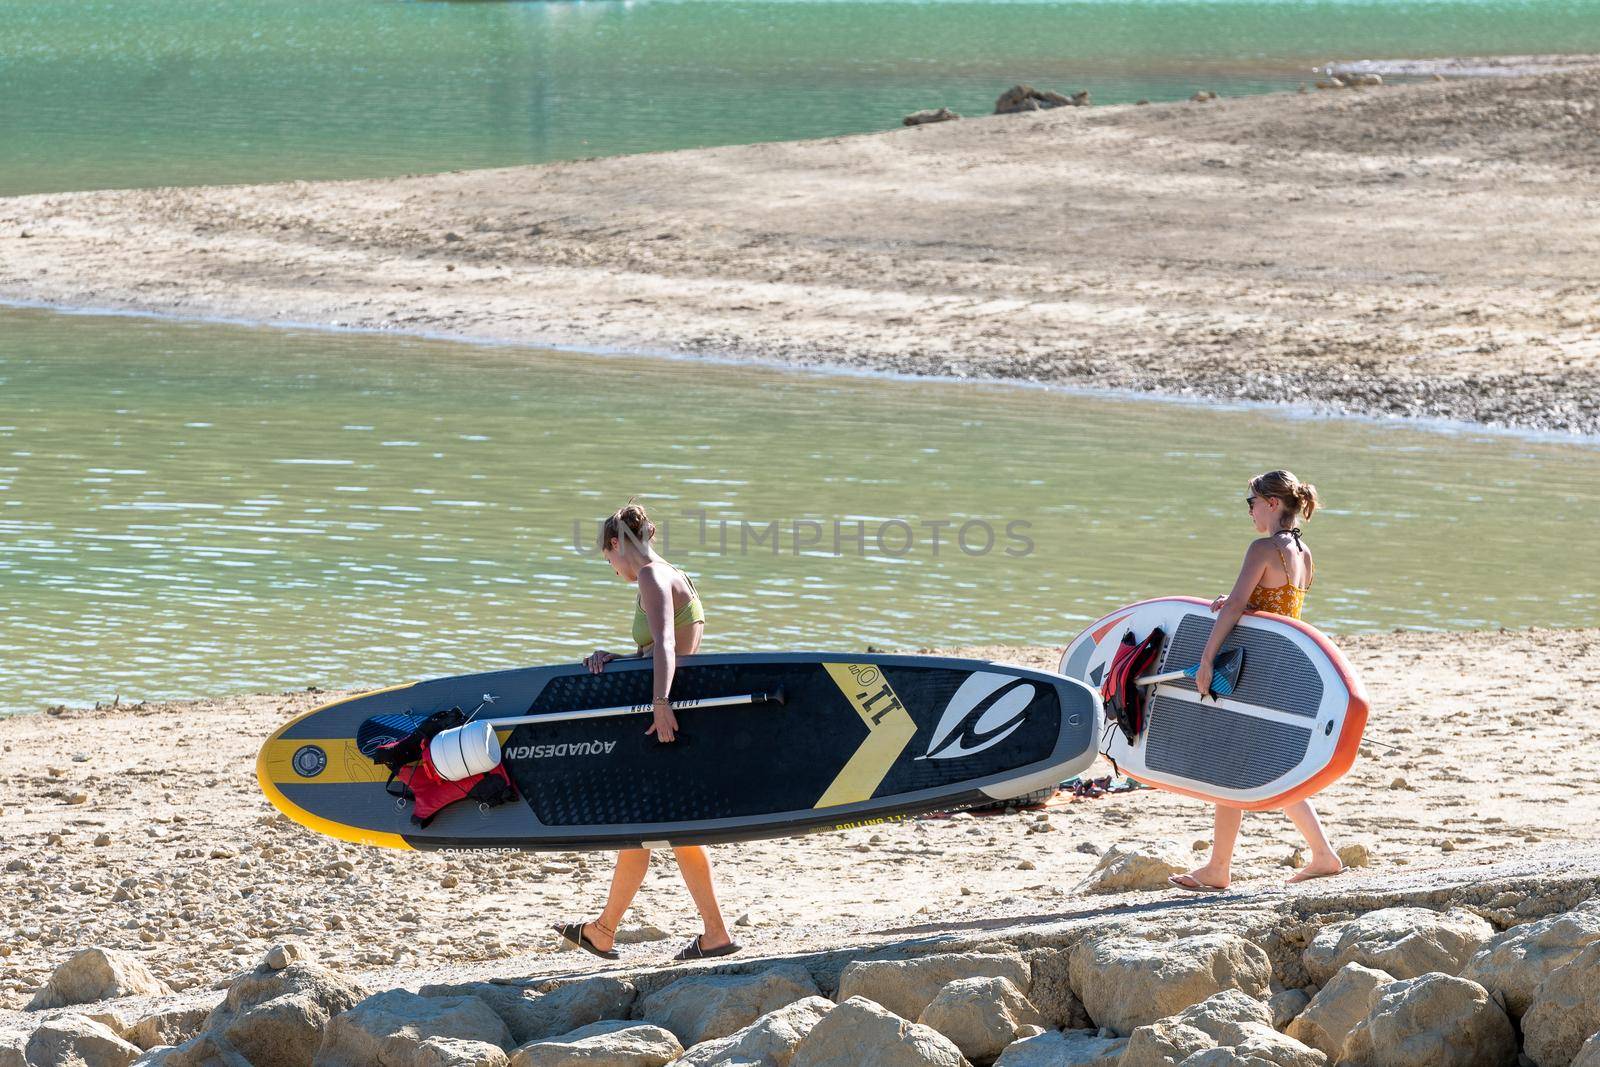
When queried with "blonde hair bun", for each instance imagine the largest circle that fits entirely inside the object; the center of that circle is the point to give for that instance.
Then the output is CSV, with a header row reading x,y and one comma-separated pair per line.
x,y
632,518
1299,498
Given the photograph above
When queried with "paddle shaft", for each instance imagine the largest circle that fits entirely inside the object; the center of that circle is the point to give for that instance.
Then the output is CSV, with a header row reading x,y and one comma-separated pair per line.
x,y
1157,679
630,709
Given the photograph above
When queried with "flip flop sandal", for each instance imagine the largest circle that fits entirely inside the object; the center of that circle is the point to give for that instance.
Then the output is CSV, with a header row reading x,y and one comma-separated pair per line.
x,y
1193,885
1331,874
573,934
693,951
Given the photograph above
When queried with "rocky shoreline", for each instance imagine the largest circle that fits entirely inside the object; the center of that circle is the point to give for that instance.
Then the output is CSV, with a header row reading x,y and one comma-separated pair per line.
x,y
1488,969
1417,251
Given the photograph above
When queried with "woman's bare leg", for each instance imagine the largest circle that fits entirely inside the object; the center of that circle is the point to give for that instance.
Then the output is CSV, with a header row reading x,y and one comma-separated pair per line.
x,y
1217,870
694,863
626,879
1324,860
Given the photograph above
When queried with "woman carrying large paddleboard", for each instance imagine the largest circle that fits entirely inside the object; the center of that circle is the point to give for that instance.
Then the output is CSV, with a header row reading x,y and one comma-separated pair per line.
x,y
1275,577
668,620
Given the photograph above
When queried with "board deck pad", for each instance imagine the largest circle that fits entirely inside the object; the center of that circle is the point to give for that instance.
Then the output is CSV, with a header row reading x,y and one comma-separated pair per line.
x,y
855,738
1291,725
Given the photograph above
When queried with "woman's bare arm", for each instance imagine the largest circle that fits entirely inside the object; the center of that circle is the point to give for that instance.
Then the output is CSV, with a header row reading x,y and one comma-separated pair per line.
x,y
655,596
1250,572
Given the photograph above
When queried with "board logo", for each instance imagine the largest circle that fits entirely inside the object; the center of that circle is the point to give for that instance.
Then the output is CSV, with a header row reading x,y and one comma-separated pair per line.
x,y
575,748
309,761
986,710
889,730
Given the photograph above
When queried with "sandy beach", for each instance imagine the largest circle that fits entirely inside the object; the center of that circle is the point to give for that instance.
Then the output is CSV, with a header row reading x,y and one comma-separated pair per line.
x,y
1421,250
142,828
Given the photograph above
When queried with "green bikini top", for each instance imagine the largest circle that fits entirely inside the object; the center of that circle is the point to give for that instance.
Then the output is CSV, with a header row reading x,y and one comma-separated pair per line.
x,y
691,612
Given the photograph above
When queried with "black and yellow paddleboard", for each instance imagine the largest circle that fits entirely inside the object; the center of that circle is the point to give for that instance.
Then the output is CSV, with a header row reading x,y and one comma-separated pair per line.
x,y
830,741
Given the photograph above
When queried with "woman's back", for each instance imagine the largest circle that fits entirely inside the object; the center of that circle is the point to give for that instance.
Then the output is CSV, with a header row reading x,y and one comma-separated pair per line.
x,y
1284,582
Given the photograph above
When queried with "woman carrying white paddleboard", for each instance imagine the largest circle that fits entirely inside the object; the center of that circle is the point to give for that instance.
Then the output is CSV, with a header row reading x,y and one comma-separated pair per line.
x,y
668,620
1275,577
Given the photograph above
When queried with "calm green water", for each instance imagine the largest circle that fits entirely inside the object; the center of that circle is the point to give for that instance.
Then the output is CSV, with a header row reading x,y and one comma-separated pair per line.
x,y
194,510
158,92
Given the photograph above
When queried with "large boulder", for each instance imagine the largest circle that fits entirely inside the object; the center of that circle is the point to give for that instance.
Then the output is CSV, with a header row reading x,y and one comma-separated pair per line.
x,y
1405,942
275,1018
906,987
927,115
1127,983
706,1006
447,1052
981,1015
770,1041
612,1043
97,974
114,1016
1254,1045
550,1010
74,1041
1072,1048
1194,1029
1434,1020
1565,1011
1127,869
1588,1055
399,1029
1337,1008
859,1032
1027,98
1164,1043
1515,962
170,1027
206,1050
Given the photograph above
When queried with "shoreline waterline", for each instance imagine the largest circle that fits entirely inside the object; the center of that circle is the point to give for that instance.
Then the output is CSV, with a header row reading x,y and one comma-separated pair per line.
x,y
1290,411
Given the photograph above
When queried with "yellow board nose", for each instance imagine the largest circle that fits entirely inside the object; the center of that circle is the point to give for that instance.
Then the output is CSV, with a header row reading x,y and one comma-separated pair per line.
x,y
334,761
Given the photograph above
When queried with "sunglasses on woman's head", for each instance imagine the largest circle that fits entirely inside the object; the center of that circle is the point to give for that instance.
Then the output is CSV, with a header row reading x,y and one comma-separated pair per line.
x,y
1250,502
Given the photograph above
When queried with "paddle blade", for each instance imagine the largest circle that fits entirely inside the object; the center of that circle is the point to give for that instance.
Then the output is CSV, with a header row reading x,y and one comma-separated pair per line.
x,y
1225,671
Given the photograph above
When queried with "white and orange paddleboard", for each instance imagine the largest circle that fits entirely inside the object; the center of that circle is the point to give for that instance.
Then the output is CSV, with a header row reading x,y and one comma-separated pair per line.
x,y
1290,727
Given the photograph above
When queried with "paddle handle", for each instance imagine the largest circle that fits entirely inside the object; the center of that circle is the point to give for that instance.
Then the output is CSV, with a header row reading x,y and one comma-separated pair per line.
x,y
1228,661
635,709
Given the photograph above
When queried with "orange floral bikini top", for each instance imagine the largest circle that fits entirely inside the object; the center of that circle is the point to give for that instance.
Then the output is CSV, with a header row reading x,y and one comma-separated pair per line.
x,y
1288,598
